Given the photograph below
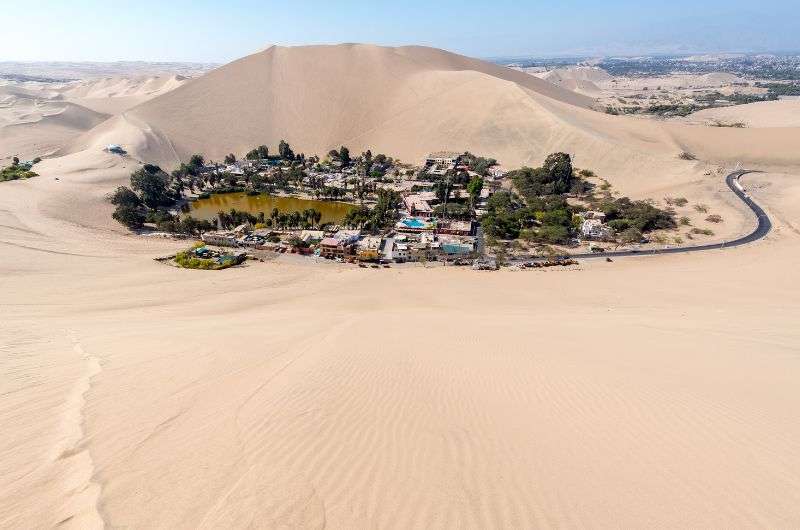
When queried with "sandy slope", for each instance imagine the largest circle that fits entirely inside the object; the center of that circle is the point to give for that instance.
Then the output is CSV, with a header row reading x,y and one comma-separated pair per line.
x,y
38,118
782,113
114,95
642,393
581,79
318,97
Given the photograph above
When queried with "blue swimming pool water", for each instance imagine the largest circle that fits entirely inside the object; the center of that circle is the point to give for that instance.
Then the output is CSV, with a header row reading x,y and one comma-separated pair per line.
x,y
414,223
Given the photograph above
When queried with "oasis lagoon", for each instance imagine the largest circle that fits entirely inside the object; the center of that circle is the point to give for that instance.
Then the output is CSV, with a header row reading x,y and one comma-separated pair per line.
x,y
332,211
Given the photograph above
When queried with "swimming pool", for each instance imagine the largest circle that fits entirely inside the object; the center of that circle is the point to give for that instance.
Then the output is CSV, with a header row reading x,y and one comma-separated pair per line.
x,y
415,223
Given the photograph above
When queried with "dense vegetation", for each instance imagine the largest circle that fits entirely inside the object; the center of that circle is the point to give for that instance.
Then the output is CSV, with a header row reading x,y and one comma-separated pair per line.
x,y
151,193
18,171
308,218
781,89
382,215
632,219
539,211
542,213
189,260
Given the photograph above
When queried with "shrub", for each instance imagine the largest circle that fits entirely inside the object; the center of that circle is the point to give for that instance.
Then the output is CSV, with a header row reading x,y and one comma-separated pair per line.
x,y
687,156
630,235
714,218
129,216
16,172
684,221
681,201
124,196
702,208
553,178
703,231
624,213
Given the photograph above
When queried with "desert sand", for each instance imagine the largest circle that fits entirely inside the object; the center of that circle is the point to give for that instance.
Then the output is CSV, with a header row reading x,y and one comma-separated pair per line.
x,y
647,392
40,118
782,113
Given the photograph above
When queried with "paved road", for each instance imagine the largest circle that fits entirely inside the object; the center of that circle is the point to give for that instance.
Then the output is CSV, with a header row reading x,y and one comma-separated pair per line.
x,y
732,180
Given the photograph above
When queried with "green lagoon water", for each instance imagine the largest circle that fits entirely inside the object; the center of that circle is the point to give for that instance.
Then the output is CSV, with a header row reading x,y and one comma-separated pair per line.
x,y
332,212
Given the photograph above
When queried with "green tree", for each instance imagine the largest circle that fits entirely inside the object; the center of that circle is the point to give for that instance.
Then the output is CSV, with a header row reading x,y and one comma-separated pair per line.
x,y
630,236
129,216
196,162
474,188
442,189
344,155
553,178
285,151
385,211
153,185
230,159
124,196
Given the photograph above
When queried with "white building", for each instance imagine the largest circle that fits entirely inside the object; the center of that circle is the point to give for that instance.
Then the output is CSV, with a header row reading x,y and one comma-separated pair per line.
x,y
595,229
443,158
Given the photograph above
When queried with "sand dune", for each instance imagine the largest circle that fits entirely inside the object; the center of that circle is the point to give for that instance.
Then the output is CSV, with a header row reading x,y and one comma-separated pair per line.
x,y
31,127
38,119
581,79
581,73
114,95
768,114
319,97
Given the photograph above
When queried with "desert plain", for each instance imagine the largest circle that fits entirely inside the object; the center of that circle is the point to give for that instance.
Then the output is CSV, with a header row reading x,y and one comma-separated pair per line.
x,y
651,391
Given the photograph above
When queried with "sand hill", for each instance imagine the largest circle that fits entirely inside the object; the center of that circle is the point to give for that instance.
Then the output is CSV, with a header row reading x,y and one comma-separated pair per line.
x,y
782,113
582,79
113,95
578,73
39,118
405,101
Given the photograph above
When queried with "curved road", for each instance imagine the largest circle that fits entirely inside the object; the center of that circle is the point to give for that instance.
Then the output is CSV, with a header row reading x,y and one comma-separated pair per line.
x,y
732,180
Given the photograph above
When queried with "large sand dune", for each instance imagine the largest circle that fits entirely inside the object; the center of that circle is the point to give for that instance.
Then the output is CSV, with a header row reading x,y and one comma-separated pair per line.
x,y
403,101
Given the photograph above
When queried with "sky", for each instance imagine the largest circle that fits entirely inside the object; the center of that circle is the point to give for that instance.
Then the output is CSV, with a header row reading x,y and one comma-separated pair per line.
x,y
207,31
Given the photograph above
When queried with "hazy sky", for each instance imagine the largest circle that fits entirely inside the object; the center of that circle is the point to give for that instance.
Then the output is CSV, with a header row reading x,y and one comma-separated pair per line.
x,y
202,30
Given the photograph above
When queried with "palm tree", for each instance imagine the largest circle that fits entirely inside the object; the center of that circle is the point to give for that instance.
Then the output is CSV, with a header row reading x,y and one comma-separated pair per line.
x,y
442,190
295,218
